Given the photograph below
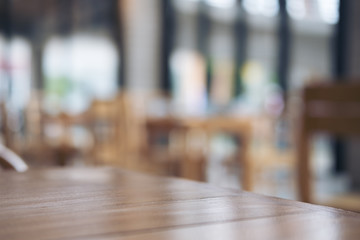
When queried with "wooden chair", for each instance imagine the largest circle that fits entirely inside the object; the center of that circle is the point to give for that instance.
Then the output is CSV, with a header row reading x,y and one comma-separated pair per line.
x,y
4,130
148,134
53,139
241,128
193,158
110,129
36,149
64,146
165,144
27,142
101,131
273,154
330,108
9,159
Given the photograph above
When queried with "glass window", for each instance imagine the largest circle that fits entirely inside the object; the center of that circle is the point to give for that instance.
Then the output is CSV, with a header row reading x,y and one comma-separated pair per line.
x,y
15,71
77,69
312,36
20,68
314,10
267,8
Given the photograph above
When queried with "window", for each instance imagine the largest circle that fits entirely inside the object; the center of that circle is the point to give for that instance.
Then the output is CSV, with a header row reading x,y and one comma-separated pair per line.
x,y
78,69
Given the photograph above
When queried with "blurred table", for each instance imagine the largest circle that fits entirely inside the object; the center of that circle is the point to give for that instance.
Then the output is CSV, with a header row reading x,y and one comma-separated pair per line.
x,y
110,203
240,127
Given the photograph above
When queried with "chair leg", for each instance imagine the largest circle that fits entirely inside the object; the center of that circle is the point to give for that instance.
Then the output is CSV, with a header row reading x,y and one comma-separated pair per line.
x,y
303,167
248,174
193,164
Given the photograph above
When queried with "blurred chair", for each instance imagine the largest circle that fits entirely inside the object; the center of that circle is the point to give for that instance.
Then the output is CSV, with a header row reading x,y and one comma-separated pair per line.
x,y
195,149
9,159
165,143
272,156
103,134
5,133
160,130
162,142
330,108
33,121
96,136
241,128
192,136
62,136
35,148
53,139
21,130
110,129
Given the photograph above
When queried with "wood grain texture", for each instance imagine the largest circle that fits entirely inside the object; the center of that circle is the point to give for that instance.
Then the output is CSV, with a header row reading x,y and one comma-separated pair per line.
x,y
109,203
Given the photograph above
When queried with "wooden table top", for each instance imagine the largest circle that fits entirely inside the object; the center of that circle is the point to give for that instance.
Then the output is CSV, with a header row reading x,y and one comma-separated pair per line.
x,y
223,122
109,203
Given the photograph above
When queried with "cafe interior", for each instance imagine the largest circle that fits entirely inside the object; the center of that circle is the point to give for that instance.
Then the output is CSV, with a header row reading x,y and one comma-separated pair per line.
x,y
254,95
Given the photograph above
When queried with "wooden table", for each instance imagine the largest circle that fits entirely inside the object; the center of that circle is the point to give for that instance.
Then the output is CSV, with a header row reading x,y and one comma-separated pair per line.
x,y
108,203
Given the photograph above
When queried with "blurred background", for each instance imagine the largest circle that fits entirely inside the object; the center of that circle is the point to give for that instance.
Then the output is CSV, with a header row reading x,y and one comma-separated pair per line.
x,y
209,90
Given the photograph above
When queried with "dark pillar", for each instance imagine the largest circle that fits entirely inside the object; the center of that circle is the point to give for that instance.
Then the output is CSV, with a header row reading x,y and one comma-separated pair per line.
x,y
6,27
37,60
117,30
65,16
203,30
5,18
241,33
284,46
340,70
167,43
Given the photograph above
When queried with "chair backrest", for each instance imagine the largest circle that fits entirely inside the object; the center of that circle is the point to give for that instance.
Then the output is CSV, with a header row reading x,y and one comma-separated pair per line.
x,y
9,159
108,119
330,108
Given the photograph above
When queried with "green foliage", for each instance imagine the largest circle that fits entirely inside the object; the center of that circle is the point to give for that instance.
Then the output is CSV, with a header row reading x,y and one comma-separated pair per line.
x,y
58,86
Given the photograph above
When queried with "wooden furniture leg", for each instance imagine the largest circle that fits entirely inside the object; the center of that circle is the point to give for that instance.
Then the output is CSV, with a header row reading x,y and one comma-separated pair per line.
x,y
192,164
247,174
304,173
